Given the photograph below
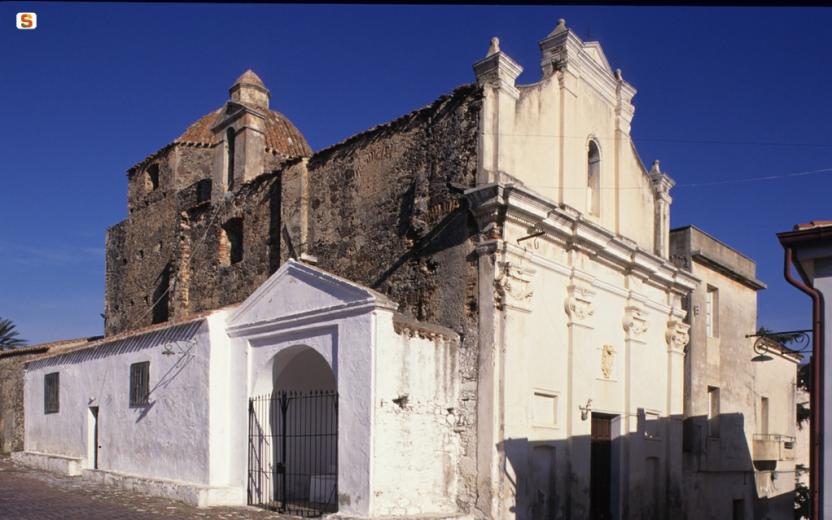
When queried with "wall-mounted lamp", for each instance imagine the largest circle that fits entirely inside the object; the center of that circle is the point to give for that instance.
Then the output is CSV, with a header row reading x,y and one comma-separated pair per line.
x,y
773,342
585,409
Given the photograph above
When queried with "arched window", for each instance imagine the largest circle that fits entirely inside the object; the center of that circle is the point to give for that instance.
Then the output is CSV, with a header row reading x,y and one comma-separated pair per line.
x,y
151,177
229,140
161,297
593,179
231,242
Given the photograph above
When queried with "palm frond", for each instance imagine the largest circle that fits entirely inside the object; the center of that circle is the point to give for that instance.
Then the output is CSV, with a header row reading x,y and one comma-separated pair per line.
x,y
9,337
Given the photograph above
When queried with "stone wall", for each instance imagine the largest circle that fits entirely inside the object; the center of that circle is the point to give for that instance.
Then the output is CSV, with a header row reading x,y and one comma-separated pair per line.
x,y
383,208
11,389
11,403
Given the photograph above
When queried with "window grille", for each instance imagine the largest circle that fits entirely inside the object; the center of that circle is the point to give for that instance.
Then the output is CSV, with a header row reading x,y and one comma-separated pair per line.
x,y
139,383
51,398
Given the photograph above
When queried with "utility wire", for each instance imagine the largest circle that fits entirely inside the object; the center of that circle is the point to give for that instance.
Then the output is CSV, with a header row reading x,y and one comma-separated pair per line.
x,y
689,185
662,140
217,207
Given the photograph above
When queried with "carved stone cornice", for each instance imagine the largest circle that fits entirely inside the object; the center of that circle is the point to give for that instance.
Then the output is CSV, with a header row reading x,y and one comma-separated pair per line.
x,y
578,304
492,204
513,288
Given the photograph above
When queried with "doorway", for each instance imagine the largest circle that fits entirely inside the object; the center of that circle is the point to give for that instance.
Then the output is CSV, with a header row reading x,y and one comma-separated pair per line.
x,y
293,437
601,481
92,441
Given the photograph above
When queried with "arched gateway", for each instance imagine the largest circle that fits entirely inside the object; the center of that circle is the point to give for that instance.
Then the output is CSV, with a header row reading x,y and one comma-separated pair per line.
x,y
349,402
293,434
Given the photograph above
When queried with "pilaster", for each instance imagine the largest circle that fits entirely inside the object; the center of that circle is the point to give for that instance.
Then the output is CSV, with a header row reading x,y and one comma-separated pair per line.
x,y
496,74
580,313
662,183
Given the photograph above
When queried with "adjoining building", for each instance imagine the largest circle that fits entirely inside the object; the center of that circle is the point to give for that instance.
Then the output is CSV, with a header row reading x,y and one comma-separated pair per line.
x,y
739,436
194,410
536,369
808,251
11,388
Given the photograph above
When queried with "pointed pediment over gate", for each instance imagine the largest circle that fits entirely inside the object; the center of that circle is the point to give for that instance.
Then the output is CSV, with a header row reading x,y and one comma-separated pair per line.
x,y
297,290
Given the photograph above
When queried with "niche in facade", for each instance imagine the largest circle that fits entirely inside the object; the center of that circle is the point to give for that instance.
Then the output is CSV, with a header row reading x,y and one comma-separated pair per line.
x,y
593,180
203,191
161,297
151,177
231,242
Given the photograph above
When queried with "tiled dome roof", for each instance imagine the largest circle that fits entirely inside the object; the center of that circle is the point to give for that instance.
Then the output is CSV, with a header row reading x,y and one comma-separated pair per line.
x,y
282,137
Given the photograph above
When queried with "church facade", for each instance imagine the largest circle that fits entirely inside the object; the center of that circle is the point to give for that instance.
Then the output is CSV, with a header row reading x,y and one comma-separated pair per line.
x,y
485,283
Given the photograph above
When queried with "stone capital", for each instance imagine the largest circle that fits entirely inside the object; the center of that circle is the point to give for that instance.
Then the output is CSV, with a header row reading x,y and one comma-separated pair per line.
x,y
513,286
578,305
634,322
677,335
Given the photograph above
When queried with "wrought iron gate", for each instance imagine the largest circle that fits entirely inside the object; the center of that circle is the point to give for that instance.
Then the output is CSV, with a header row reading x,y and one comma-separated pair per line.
x,y
293,452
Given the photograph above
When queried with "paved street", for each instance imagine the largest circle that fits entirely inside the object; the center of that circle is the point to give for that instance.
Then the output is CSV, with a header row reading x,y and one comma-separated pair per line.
x,y
28,494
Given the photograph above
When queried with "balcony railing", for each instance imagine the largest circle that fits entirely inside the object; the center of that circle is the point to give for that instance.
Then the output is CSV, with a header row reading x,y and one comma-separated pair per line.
x,y
773,447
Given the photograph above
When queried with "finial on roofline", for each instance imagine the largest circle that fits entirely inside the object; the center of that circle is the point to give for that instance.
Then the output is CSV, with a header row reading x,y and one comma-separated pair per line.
x,y
559,28
494,48
656,167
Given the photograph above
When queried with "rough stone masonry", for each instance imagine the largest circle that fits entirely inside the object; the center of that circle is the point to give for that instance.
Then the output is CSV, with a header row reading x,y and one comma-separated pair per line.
x,y
383,208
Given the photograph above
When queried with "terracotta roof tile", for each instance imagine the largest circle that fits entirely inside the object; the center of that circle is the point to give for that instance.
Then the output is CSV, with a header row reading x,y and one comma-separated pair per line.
x,y
249,77
282,137
813,224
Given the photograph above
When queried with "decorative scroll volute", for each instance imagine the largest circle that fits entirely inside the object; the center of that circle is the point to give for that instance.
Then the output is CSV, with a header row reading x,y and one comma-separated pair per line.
x,y
635,321
513,286
677,334
578,303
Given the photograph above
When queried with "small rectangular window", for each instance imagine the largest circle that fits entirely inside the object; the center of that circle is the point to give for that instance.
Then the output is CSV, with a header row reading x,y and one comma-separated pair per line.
x,y
139,383
713,411
545,409
764,415
203,191
231,242
712,312
51,389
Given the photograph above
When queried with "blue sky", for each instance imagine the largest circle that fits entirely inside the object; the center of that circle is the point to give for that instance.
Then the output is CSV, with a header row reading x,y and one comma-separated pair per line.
x,y
723,94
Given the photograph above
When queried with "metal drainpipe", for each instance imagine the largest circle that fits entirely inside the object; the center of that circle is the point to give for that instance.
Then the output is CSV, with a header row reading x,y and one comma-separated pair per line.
x,y
816,395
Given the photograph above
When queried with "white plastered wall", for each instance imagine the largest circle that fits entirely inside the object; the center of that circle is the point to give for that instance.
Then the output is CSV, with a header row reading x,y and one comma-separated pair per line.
x,y
415,449
178,436
389,462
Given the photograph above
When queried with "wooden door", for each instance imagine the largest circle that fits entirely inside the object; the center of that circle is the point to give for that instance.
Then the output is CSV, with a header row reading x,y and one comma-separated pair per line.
x,y
601,468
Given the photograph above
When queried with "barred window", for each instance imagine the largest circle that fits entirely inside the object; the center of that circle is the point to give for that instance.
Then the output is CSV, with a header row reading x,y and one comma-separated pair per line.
x,y
139,383
51,399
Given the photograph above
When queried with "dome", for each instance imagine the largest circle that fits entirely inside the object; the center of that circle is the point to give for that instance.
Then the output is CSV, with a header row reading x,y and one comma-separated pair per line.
x,y
282,137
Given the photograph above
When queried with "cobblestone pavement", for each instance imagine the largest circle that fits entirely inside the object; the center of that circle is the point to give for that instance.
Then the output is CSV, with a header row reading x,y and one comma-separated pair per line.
x,y
30,494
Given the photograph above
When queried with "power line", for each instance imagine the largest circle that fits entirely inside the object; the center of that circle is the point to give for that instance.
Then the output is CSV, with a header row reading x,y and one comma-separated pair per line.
x,y
665,140
688,185
755,179
216,211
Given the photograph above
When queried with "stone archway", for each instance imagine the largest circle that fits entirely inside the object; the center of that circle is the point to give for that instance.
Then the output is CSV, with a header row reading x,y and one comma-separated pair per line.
x,y
293,434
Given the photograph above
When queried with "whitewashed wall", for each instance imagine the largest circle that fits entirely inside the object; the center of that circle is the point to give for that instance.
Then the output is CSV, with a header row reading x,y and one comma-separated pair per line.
x,y
389,462
415,449
160,440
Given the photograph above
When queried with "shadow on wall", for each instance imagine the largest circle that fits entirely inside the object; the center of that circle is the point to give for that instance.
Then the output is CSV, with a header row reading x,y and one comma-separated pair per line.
x,y
584,477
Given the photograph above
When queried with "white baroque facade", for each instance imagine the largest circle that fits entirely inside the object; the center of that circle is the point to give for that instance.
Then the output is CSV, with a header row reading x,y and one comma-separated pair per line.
x,y
582,350
581,339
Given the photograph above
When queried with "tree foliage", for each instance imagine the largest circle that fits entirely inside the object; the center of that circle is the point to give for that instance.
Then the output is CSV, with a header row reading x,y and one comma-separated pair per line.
x,y
9,337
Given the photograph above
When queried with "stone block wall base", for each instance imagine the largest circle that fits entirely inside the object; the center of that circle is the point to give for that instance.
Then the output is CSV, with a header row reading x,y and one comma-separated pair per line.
x,y
453,516
55,463
194,494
